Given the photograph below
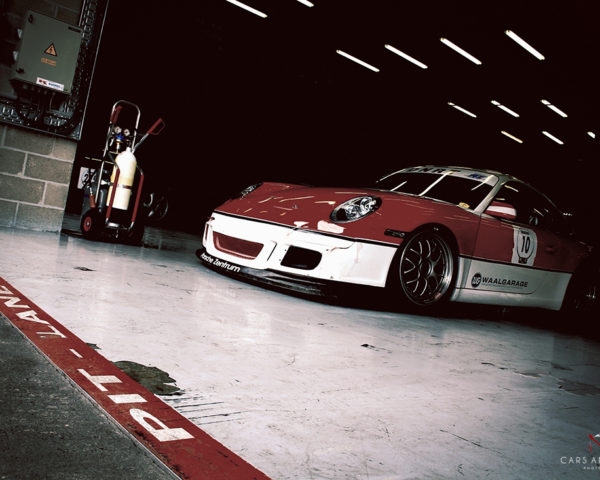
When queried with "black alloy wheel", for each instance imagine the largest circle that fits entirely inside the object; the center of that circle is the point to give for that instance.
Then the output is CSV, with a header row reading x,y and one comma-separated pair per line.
x,y
427,268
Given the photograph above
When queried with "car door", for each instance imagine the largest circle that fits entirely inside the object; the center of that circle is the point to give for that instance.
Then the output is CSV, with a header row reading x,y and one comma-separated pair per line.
x,y
518,250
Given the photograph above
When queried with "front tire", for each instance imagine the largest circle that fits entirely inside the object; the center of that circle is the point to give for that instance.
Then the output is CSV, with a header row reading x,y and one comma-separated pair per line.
x,y
426,268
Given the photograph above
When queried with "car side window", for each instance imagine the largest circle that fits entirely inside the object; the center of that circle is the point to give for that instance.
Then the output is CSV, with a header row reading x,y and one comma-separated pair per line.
x,y
532,208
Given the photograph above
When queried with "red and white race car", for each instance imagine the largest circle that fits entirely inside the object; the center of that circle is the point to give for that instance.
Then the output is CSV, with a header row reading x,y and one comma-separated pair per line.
x,y
428,233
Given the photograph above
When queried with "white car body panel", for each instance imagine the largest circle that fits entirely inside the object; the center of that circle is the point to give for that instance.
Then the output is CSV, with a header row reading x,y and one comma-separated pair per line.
x,y
366,263
480,281
343,260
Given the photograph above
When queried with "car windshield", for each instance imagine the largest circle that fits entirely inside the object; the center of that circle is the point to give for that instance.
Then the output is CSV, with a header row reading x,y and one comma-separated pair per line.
x,y
465,188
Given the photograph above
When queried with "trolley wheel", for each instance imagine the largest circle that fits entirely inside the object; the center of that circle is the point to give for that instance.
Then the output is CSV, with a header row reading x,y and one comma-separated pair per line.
x,y
91,224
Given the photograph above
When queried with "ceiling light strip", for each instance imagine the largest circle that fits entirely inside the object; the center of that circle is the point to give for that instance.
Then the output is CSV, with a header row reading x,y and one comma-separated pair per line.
x,y
405,56
591,134
554,108
524,44
553,138
512,137
463,110
459,50
505,108
307,3
357,60
247,8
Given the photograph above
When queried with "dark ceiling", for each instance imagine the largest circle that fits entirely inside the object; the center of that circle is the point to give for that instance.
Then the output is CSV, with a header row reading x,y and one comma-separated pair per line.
x,y
247,98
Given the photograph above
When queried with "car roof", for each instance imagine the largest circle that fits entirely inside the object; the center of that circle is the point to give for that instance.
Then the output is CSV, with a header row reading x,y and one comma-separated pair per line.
x,y
503,176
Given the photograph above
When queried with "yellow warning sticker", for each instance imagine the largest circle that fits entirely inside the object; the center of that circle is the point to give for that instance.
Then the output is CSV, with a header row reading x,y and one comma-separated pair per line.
x,y
48,61
51,50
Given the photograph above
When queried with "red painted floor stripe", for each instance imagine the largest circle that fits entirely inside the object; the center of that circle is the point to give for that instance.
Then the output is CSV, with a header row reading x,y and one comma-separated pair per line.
x,y
182,446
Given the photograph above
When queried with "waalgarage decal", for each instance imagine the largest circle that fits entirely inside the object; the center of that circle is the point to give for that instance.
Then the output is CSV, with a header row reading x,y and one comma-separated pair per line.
x,y
215,262
480,280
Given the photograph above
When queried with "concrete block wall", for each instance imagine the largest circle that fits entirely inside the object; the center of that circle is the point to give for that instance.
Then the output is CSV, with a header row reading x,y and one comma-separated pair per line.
x,y
35,171
35,168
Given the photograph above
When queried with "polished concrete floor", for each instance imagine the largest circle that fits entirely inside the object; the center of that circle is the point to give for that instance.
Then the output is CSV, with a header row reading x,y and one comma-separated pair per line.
x,y
307,390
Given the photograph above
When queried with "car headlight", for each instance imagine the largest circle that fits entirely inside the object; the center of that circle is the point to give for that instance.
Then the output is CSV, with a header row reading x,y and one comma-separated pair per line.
x,y
355,209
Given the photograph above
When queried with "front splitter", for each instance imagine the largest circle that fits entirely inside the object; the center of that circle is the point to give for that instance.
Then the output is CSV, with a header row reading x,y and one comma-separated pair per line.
x,y
277,280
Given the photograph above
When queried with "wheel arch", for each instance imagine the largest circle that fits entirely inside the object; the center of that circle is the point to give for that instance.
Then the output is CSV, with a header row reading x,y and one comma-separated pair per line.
x,y
440,228
443,230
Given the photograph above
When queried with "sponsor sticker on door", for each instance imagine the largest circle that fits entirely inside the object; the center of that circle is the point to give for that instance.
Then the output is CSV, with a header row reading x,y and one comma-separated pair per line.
x,y
524,246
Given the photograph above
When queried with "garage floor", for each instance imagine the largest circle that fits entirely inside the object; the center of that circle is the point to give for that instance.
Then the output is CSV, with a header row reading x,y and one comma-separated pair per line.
x,y
306,390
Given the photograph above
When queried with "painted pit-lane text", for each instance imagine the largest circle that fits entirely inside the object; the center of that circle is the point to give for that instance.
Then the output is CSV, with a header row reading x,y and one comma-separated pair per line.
x,y
29,314
153,425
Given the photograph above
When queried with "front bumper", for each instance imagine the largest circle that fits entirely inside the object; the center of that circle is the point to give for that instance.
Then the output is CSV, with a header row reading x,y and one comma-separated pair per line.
x,y
269,278
266,249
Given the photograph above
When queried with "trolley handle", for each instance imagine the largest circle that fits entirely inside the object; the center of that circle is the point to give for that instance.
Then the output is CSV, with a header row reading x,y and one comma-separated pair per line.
x,y
155,129
115,114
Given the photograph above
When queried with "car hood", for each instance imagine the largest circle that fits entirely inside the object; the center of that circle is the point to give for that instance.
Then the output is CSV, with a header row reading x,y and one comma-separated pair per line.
x,y
288,203
309,208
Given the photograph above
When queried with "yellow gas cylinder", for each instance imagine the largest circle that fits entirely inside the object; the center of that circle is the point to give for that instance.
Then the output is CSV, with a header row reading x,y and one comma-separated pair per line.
x,y
127,163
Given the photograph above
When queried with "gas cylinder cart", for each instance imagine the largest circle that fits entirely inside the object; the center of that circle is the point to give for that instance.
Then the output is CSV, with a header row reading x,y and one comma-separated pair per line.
x,y
112,197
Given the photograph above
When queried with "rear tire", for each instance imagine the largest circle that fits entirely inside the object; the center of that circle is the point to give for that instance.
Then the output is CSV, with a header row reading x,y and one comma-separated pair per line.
x,y
582,299
426,268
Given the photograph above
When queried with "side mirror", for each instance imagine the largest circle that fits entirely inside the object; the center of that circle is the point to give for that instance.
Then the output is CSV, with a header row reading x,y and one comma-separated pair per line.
x,y
501,210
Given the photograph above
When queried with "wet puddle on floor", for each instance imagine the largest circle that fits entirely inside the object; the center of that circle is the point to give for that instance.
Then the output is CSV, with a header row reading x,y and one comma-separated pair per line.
x,y
152,378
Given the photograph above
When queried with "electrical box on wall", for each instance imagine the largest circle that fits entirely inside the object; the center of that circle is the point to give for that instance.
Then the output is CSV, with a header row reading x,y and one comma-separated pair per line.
x,y
47,53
